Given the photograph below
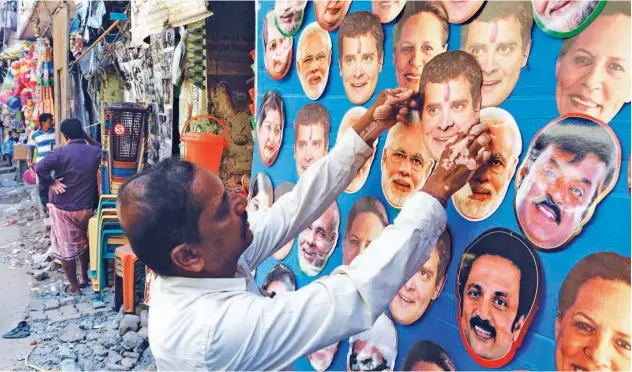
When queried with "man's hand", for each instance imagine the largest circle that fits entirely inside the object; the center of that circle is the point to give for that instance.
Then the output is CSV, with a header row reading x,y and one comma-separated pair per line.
x,y
385,109
460,159
383,115
58,187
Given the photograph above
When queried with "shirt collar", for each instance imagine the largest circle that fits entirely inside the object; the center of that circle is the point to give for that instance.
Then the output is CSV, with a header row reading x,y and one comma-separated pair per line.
x,y
203,285
77,141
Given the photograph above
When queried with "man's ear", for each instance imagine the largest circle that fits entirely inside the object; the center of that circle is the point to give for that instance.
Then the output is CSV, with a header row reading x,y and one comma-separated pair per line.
x,y
518,328
438,289
525,56
522,173
187,257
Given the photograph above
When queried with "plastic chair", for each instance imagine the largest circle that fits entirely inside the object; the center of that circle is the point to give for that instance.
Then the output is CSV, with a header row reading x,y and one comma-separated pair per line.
x,y
127,268
104,254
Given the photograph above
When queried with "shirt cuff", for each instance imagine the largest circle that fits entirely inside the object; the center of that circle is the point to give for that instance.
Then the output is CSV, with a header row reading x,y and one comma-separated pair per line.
x,y
360,150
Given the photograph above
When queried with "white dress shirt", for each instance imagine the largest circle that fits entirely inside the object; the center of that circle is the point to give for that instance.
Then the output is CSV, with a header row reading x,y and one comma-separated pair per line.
x,y
228,324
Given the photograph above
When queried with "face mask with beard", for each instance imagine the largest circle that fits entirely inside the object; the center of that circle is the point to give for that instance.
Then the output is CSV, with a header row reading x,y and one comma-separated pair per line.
x,y
393,195
480,205
571,18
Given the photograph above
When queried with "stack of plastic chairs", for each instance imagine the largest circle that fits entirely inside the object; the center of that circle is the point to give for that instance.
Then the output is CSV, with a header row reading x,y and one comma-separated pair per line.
x,y
125,131
105,235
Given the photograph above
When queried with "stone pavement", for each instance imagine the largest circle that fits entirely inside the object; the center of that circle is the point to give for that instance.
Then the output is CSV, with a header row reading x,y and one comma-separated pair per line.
x,y
68,333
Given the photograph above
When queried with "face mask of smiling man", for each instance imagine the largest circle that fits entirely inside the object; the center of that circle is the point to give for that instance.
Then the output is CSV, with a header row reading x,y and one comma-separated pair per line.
x,y
313,59
571,166
450,95
500,40
317,242
498,283
361,51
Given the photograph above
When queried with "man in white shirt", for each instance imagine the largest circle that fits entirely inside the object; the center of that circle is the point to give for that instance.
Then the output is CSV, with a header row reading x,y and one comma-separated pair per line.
x,y
206,311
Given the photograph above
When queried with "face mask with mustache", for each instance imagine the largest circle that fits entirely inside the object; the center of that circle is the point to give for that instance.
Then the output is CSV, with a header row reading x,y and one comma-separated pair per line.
x,y
485,325
546,201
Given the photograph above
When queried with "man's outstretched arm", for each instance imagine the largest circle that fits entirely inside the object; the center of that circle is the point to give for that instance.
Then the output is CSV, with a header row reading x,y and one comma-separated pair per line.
x,y
323,181
277,331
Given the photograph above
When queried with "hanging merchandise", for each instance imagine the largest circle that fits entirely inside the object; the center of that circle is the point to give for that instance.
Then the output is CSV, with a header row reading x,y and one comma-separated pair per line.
x,y
27,86
195,51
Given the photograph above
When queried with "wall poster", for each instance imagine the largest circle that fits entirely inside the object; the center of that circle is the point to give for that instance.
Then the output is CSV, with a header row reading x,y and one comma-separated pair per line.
x,y
533,271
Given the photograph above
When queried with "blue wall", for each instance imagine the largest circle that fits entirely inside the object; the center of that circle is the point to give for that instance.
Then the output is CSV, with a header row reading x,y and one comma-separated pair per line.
x,y
532,104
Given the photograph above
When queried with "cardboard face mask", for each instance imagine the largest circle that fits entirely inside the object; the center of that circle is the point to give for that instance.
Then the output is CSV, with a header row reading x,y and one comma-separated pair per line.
x,y
592,71
279,280
277,54
282,189
260,193
375,349
270,126
288,16
406,163
350,118
498,291
313,59
485,191
419,35
565,18
330,13
311,135
365,222
427,356
361,55
571,165
461,11
317,242
387,10
499,37
321,360
417,295
594,309
441,94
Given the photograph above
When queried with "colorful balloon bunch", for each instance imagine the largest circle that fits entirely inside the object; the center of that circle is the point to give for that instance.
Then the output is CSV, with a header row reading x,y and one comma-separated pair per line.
x,y
25,79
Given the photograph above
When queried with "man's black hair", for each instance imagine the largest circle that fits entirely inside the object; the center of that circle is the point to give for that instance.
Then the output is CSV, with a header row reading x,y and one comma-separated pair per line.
x,y
429,352
72,129
581,137
354,365
45,117
165,216
280,273
514,248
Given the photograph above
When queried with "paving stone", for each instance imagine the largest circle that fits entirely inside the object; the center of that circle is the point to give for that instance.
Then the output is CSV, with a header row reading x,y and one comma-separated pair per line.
x,y
67,301
38,316
115,367
128,362
36,305
72,333
114,357
98,304
144,333
93,335
99,349
41,274
131,340
68,309
132,320
131,354
56,316
51,304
